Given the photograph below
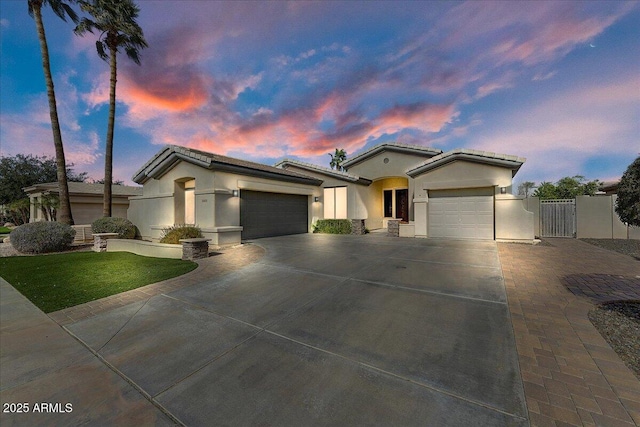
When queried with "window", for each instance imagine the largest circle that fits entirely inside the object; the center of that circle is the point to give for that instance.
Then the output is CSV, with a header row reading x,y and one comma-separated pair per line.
x,y
396,201
388,203
335,203
190,202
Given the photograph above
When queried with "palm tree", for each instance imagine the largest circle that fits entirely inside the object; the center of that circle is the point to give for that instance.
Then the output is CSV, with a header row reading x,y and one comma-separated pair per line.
x,y
337,159
116,22
63,10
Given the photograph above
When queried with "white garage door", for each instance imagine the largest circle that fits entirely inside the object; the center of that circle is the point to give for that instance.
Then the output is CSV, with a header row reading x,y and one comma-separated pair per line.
x,y
461,214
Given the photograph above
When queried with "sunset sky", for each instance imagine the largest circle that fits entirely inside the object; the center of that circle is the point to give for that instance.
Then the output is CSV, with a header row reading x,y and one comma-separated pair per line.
x,y
555,82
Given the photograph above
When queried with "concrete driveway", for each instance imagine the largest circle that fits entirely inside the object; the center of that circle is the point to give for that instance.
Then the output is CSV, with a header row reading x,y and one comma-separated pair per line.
x,y
328,330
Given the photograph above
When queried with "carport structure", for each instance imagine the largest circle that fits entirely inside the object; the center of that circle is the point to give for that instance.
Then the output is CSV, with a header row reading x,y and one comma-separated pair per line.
x,y
328,330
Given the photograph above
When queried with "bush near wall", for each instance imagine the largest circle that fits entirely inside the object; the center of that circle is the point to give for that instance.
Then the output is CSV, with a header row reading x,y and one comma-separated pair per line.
x,y
42,237
332,226
122,226
175,233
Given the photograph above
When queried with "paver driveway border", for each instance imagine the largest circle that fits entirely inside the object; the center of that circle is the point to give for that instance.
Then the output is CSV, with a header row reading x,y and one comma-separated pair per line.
x,y
571,375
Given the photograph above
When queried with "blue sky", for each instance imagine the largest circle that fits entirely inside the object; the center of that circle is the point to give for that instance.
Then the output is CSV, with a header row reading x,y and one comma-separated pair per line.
x,y
555,82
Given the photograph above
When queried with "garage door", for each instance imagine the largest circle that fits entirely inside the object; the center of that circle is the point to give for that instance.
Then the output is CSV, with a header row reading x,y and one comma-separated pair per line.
x,y
272,214
461,214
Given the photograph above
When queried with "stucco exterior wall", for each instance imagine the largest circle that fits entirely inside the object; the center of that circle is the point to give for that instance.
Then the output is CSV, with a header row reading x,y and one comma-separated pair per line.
x,y
357,195
217,211
84,208
463,174
513,220
375,168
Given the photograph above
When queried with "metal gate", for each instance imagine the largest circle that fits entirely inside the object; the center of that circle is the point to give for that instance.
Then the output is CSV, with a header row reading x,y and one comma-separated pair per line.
x,y
558,218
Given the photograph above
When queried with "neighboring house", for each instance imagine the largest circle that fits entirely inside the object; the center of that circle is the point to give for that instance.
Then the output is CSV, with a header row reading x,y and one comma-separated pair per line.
x,y
86,200
609,187
458,194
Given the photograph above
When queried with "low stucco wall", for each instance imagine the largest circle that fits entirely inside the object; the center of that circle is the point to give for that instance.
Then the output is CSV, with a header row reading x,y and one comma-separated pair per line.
x,y
596,218
513,221
141,247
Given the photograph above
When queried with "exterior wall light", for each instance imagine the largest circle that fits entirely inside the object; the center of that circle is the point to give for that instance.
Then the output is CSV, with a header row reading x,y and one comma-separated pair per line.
x,y
235,193
316,199
503,190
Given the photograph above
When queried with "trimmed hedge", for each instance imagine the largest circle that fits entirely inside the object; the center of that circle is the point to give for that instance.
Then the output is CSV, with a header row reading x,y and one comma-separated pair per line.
x,y
122,226
332,226
42,237
174,233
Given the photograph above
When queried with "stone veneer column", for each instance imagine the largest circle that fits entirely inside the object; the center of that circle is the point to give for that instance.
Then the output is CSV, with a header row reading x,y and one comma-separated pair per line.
x,y
100,241
393,228
195,248
357,226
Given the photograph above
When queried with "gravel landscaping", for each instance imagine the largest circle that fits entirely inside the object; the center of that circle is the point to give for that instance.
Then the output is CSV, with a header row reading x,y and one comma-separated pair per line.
x,y
619,324
629,247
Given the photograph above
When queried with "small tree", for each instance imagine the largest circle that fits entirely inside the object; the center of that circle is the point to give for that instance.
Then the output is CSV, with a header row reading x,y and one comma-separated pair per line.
x,y
546,190
567,188
49,205
337,159
628,202
18,211
525,188
20,171
570,187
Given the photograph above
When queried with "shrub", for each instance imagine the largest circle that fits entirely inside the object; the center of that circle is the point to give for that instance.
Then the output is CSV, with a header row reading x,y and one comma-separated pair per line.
x,y
628,202
174,233
42,237
332,226
122,226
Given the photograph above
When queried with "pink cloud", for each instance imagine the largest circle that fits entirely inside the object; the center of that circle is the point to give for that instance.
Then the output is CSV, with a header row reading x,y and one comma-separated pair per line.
x,y
558,135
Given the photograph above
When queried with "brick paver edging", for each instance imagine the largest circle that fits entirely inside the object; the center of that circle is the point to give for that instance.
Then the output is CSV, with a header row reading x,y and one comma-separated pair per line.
x,y
225,261
571,375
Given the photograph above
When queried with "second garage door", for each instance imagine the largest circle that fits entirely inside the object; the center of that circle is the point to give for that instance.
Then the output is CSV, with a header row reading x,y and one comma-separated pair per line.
x,y
461,214
272,214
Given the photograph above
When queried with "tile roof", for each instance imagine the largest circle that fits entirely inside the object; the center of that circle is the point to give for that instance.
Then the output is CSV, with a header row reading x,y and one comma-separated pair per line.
x,y
345,176
170,154
504,160
86,188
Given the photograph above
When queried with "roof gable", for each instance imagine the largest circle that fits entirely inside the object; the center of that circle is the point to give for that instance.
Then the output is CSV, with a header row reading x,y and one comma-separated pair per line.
x,y
486,157
417,150
170,155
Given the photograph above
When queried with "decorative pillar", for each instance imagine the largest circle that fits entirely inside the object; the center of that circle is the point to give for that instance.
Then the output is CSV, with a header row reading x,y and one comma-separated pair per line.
x,y
195,248
357,226
100,241
393,228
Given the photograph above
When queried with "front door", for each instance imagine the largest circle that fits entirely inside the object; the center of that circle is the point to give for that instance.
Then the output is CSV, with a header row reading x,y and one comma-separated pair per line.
x,y
402,205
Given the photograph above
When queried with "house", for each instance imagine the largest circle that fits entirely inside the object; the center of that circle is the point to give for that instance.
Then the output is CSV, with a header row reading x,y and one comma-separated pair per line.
x,y
458,194
609,187
85,199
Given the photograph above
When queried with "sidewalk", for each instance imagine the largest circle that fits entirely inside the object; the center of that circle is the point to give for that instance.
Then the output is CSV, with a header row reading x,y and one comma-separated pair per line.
x,y
57,379
571,375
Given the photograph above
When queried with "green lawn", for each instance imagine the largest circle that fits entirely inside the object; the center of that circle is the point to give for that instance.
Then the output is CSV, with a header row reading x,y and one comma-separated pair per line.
x,y
54,282
4,230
